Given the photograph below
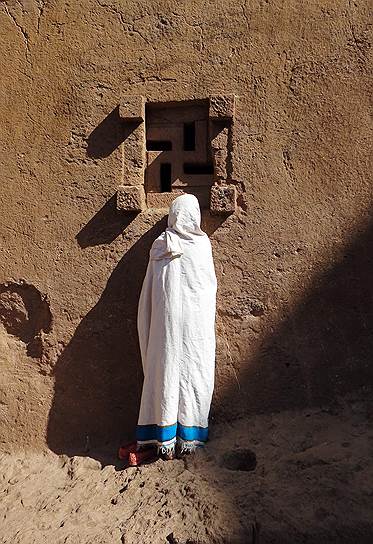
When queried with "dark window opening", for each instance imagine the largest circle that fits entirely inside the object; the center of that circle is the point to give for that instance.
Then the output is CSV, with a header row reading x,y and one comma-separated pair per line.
x,y
189,136
158,145
165,177
198,169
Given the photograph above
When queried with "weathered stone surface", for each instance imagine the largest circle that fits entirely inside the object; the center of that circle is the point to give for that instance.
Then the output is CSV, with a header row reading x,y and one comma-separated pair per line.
x,y
130,199
132,108
298,242
219,149
222,107
133,168
223,199
161,200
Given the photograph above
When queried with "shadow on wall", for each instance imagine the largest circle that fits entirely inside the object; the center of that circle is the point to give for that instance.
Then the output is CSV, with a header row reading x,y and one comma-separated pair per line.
x,y
108,135
98,377
105,226
322,349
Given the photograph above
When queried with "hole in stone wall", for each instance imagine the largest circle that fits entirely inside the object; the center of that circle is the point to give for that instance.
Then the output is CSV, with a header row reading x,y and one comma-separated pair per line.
x,y
165,177
25,313
158,145
189,136
198,169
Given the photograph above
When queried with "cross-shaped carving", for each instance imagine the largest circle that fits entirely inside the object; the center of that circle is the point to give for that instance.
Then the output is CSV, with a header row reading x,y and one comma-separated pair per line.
x,y
178,151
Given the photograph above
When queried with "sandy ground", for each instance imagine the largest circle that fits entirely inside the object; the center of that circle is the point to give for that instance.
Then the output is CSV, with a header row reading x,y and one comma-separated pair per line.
x,y
313,483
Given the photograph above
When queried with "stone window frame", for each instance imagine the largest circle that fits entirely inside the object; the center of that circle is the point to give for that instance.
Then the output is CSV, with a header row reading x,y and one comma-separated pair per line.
x,y
131,195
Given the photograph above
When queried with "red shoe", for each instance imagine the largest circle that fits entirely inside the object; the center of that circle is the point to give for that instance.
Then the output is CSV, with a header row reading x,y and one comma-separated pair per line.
x,y
136,458
124,451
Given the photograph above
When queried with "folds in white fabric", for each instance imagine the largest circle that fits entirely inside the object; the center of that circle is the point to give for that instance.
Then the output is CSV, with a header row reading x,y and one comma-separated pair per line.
x,y
176,326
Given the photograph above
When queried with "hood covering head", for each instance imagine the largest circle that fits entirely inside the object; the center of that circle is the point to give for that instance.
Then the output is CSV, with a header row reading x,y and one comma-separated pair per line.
x,y
184,216
184,223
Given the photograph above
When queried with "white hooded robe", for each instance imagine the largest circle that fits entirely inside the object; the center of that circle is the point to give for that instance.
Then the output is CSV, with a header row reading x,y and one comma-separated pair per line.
x,y
176,327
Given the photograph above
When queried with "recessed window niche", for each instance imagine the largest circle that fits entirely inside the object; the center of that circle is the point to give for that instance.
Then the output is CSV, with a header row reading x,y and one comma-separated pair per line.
x,y
177,147
178,157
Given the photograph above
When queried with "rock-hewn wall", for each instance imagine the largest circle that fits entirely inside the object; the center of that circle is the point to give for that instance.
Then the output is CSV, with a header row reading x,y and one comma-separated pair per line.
x,y
294,264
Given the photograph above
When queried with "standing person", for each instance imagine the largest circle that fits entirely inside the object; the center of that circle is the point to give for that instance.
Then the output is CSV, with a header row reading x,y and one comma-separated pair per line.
x,y
176,327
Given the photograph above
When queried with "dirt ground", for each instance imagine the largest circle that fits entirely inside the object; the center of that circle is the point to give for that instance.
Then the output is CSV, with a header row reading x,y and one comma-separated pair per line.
x,y
312,482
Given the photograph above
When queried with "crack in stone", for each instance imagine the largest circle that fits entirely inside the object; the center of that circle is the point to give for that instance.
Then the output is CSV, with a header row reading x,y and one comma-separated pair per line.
x,y
131,26
135,31
361,44
201,33
288,165
23,32
244,13
157,78
41,7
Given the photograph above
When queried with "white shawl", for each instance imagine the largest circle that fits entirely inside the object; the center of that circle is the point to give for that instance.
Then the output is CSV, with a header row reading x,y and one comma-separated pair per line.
x,y
176,318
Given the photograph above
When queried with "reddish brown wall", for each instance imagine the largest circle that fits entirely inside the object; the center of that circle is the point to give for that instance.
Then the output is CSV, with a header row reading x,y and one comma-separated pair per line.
x,y
294,264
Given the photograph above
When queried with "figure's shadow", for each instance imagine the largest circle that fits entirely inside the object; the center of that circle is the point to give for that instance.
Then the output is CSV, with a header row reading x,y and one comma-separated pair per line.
x,y
98,377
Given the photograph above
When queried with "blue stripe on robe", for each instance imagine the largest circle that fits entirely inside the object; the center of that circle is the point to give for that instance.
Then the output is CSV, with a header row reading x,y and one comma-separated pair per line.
x,y
164,434
154,432
192,433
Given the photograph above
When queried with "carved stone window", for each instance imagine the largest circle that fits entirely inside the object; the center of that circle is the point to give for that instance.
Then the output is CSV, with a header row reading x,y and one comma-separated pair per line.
x,y
177,147
178,155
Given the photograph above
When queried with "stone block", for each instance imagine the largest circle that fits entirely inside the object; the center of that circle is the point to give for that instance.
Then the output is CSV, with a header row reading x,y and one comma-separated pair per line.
x,y
219,149
161,200
223,199
222,107
130,198
134,157
132,108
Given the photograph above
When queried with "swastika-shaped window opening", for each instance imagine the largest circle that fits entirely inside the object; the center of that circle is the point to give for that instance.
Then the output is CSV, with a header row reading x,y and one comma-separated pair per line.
x,y
178,149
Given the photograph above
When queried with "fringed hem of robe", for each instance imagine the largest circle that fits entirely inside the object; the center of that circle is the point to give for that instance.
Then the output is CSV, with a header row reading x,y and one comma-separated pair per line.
x,y
158,434
169,437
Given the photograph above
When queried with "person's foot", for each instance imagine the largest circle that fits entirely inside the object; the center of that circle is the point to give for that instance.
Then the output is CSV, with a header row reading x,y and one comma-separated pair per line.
x,y
167,452
167,456
183,449
137,458
125,450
